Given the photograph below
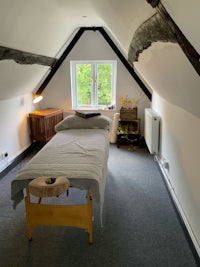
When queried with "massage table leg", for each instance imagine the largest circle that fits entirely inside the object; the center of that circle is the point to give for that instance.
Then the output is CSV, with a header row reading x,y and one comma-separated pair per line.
x,y
79,216
28,218
89,204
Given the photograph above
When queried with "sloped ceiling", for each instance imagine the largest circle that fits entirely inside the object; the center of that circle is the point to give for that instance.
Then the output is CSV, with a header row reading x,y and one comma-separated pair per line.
x,y
46,28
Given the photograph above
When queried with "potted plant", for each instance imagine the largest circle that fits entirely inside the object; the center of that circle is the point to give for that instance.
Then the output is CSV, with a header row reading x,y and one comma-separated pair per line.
x,y
128,109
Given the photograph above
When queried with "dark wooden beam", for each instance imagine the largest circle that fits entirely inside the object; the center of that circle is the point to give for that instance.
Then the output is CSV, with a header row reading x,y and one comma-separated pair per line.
x,y
153,3
125,62
25,58
113,46
155,29
60,60
186,46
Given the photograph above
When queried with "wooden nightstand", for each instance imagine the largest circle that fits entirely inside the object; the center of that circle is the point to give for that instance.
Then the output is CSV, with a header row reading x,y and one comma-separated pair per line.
x,y
42,123
128,132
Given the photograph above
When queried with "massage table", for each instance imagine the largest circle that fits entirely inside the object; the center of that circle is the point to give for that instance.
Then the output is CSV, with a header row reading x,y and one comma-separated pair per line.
x,y
79,151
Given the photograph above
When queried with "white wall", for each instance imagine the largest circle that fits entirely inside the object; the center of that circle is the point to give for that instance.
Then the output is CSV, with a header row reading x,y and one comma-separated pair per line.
x,y
14,134
180,145
167,71
180,129
91,46
186,15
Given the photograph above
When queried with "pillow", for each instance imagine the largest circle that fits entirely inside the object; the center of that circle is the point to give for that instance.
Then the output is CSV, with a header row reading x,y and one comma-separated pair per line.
x,y
76,122
87,114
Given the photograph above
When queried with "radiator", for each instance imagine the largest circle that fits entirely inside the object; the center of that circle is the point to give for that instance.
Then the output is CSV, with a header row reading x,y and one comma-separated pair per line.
x,y
152,130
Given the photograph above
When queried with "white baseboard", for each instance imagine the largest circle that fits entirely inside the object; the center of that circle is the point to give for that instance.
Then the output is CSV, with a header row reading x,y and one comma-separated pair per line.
x,y
178,205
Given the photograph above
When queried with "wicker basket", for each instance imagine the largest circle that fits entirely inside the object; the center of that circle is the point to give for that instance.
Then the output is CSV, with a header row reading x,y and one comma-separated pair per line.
x,y
128,114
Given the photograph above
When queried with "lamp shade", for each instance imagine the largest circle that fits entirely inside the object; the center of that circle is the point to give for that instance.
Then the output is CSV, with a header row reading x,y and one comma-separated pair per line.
x,y
37,98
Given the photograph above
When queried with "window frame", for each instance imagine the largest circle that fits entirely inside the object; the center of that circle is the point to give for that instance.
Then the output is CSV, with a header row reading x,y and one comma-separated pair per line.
x,y
94,96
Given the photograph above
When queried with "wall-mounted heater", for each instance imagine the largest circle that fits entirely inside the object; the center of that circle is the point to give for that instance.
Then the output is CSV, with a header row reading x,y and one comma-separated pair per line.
x,y
151,130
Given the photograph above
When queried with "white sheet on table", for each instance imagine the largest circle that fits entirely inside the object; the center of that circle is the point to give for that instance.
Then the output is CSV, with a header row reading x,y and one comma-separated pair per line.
x,y
79,154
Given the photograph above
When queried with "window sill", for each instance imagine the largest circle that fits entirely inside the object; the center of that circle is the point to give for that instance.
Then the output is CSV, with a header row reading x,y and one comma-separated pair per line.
x,y
94,110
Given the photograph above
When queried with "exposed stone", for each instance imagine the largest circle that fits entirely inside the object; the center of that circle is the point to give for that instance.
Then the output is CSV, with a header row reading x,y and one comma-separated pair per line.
x,y
25,58
152,30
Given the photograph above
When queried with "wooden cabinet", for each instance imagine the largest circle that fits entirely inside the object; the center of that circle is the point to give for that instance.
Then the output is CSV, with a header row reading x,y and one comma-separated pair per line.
x,y
128,132
42,123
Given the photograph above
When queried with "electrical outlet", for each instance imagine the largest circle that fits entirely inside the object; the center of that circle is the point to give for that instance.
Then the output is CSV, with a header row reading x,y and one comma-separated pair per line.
x,y
4,155
166,164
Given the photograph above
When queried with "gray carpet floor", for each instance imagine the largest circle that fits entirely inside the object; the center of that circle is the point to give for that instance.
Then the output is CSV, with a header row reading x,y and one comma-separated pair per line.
x,y
140,224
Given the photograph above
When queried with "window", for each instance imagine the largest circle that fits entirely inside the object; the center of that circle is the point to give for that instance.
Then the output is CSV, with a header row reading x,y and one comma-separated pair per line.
x,y
93,84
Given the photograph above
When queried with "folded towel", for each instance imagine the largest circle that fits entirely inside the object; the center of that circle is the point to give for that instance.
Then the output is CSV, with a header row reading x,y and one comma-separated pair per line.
x,y
87,114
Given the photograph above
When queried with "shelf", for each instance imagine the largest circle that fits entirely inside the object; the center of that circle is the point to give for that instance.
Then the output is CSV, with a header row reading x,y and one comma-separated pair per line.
x,y
128,132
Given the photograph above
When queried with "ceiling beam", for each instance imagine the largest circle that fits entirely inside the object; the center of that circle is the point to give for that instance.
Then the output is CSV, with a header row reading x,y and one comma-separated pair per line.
x,y
60,60
112,45
186,46
25,58
125,62
152,30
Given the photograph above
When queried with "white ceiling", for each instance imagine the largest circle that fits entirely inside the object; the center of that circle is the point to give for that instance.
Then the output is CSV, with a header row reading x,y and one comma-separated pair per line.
x,y
45,27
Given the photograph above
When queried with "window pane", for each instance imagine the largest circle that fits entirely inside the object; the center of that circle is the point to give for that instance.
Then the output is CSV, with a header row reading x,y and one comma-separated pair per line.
x,y
104,84
93,84
84,84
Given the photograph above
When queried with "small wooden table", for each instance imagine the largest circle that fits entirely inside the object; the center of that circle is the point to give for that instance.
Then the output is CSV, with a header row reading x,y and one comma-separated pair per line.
x,y
42,123
128,132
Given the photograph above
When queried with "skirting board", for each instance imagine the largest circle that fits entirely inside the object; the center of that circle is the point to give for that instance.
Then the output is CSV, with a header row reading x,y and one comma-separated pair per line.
x,y
14,162
19,158
188,231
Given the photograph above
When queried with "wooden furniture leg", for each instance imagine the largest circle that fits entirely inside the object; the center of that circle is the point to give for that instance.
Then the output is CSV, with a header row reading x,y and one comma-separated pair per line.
x,y
79,216
28,215
89,203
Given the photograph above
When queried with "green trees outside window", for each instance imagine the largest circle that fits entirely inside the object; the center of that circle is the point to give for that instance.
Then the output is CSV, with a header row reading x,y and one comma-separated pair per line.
x,y
93,84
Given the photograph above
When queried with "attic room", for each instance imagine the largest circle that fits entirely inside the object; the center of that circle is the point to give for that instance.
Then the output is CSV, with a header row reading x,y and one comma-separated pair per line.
x,y
155,46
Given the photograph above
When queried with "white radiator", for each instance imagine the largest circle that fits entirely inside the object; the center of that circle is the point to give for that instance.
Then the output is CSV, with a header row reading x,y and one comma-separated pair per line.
x,y
151,130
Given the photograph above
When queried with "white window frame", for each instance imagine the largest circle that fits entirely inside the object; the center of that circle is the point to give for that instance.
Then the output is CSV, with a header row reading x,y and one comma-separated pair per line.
x,y
94,63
